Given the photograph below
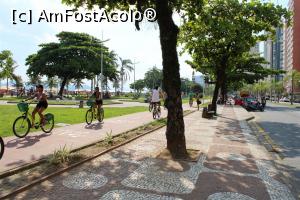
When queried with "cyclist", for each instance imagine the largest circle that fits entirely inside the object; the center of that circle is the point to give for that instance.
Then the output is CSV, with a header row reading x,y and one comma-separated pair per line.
x,y
41,106
98,98
155,97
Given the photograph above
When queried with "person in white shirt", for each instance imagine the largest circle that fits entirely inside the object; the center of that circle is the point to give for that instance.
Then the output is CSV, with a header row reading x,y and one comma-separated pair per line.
x,y
155,99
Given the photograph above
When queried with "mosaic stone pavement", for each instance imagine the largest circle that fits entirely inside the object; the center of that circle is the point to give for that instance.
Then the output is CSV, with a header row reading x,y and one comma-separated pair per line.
x,y
232,165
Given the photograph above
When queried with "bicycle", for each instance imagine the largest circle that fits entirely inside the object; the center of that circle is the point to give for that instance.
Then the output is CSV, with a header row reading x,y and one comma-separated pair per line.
x,y
93,113
22,124
1,147
150,106
156,111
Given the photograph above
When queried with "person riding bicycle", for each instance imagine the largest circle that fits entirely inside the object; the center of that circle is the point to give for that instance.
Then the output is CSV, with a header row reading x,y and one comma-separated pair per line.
x,y
41,106
191,98
98,98
155,97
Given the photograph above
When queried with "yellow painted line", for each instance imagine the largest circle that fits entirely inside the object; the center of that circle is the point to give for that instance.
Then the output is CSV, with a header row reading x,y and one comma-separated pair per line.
x,y
261,131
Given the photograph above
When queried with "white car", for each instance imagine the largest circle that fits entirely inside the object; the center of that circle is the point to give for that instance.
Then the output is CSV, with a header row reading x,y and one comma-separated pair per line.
x,y
284,99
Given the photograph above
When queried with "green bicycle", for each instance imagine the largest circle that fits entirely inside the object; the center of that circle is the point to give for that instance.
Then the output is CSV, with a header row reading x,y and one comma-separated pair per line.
x,y
93,113
22,124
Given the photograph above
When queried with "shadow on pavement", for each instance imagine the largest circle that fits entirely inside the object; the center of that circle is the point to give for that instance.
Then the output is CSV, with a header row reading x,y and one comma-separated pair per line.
x,y
27,141
96,126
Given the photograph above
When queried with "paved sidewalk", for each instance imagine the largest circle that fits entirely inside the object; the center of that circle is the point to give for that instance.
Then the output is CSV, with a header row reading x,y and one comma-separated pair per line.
x,y
20,151
231,166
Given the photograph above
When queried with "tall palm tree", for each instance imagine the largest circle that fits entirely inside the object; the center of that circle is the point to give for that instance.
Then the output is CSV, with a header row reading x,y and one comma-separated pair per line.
x,y
116,85
34,80
78,83
126,66
8,70
52,82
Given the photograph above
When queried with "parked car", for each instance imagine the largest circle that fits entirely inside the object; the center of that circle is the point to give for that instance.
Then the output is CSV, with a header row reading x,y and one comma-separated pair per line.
x,y
284,99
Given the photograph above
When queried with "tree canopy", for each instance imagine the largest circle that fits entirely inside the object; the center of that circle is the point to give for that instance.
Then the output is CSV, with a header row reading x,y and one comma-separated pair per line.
x,y
224,32
153,77
139,85
75,56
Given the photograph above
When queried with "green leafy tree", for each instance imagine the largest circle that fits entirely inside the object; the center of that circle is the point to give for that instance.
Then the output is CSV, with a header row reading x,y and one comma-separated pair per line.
x,y
168,40
75,56
153,77
224,31
292,79
139,85
196,88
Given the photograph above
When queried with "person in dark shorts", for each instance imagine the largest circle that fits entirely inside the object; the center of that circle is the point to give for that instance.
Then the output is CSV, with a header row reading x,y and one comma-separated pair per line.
x,y
98,98
41,106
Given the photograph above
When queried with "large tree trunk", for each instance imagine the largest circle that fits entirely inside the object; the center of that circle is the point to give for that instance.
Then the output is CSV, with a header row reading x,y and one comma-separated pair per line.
x,y
220,81
61,90
215,96
224,92
6,85
171,80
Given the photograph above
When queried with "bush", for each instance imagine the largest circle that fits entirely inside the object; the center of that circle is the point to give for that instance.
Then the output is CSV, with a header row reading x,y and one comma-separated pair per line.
x,y
60,156
136,96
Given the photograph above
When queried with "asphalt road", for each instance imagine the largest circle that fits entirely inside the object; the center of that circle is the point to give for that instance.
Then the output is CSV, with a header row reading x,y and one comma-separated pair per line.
x,y
283,125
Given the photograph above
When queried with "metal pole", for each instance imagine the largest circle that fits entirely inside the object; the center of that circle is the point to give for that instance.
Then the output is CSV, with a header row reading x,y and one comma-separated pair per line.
x,y
134,76
101,78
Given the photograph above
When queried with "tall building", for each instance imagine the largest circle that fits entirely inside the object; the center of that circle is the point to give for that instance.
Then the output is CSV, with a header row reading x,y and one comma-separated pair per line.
x,y
277,51
273,53
292,41
268,53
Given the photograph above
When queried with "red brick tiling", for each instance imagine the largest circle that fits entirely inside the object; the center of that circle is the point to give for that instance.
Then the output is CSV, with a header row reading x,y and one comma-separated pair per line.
x,y
210,183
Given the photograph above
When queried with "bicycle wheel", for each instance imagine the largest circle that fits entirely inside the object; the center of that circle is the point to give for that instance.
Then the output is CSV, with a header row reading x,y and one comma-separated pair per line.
x,y
150,107
100,115
89,116
21,126
154,113
1,147
158,114
49,123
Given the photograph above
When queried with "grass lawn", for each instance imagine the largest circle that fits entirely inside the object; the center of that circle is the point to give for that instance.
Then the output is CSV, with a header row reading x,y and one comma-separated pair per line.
x,y
8,98
68,102
62,115
140,100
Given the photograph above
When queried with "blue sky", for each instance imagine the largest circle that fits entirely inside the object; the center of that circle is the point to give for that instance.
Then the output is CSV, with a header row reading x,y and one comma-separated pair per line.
x,y
23,40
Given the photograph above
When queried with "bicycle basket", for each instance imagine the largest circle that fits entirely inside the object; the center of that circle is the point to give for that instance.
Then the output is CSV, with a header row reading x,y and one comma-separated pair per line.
x,y
23,107
90,103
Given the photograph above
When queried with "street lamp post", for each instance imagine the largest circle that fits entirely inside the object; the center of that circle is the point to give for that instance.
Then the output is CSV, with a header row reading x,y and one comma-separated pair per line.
x,y
101,74
134,63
